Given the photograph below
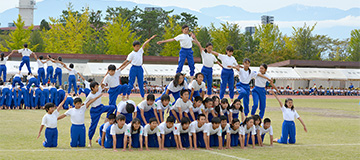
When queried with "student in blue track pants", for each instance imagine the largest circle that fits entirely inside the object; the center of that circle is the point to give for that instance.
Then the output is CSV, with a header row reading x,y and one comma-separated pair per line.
x,y
85,90
175,86
134,135
3,61
182,134
103,129
49,70
112,80
6,96
69,103
72,78
17,80
25,52
32,81
41,71
60,95
58,71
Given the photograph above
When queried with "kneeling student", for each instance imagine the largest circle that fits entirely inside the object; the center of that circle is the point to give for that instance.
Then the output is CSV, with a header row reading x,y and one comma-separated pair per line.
x,y
117,132
182,134
167,133
135,133
212,134
152,134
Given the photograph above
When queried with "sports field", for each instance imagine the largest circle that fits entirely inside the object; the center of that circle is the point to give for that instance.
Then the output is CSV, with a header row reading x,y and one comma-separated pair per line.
x,y
333,133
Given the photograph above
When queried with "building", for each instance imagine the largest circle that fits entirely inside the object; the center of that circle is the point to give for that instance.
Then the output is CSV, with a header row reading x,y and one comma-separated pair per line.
x,y
250,30
316,64
149,9
26,11
267,19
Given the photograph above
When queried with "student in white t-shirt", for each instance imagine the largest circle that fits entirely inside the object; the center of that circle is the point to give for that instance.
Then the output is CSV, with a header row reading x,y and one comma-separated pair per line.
x,y
266,127
128,109
108,122
236,110
167,133
182,106
197,85
234,138
50,122
162,105
72,77
247,130
175,86
112,81
182,134
288,127
196,108
41,71
25,52
147,109
86,90
212,134
197,130
136,70
117,133
152,134
3,61
134,135
257,123
186,52
58,71
49,69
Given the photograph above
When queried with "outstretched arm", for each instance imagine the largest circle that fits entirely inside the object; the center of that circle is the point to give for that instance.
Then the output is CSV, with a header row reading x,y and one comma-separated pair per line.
x,y
277,98
146,42
302,122
215,53
165,41
81,77
34,56
62,103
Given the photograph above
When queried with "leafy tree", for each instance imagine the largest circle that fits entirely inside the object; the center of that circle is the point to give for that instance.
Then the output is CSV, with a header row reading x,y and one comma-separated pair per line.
x,y
172,29
354,45
44,25
304,43
189,19
36,39
269,37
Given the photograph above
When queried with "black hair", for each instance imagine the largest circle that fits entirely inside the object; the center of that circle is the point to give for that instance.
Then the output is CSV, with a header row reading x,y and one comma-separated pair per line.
x,y
183,91
136,43
41,57
206,100
248,60
216,120
135,120
247,119
217,109
233,122
2,56
71,65
230,48
267,120
111,116
286,100
124,80
25,45
170,119
224,100
184,26
233,105
111,67
184,120
200,115
74,95
150,97
165,97
256,117
197,74
93,84
207,45
129,107
264,65
198,98
90,80
153,119
59,58
223,117
77,100
120,117
48,106
1,82
176,79
214,98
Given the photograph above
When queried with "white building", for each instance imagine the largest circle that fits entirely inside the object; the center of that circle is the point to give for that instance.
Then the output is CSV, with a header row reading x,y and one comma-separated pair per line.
x,y
26,11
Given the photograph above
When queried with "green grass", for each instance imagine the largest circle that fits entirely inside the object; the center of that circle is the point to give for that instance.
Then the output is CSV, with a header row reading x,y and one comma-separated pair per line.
x,y
333,133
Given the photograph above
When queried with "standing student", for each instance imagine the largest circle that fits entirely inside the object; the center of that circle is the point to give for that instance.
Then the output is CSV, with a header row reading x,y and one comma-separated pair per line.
x,y
227,73
175,86
49,69
212,134
208,61
58,71
96,108
147,109
26,53
162,105
135,133
86,90
60,95
266,128
23,95
288,127
46,93
167,133
103,128
39,97
197,130
53,93
259,92
197,86
6,96
14,99
152,134
41,71
247,130
182,106
117,131
3,61
136,70
50,122
72,78
128,109
186,52
235,109
112,80
182,134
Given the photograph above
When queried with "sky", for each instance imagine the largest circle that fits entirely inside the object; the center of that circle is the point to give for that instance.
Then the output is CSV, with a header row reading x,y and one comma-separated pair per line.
x,y
259,6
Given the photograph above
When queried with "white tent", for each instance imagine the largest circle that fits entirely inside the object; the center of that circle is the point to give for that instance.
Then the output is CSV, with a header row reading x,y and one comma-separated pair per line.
x,y
283,73
351,74
158,70
320,73
100,69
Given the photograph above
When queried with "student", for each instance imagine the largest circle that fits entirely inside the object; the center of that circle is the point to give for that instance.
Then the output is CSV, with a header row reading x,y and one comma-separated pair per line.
x,y
147,109
182,106
41,71
182,134
23,95
96,108
14,99
60,95
135,133
50,122
288,127
46,93
39,97
26,53
196,108
113,82
6,96
69,102
227,73
257,123
72,78
86,90
225,129
208,61
197,86
197,130
152,134
162,105
243,87
207,105
175,87
49,69
117,131
53,93
186,52
222,109
32,80
234,129
247,129
3,61
212,134
235,109
136,70
216,104
167,133
127,108
17,80
266,128
58,71
110,121
259,92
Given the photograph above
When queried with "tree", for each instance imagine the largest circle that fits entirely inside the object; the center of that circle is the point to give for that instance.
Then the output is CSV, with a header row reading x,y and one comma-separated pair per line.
x,y
189,19
36,39
354,45
44,25
203,37
131,16
172,29
95,20
304,43
269,37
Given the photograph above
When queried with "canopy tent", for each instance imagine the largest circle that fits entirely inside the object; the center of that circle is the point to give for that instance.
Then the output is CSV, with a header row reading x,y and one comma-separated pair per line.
x,y
283,73
351,74
320,73
100,69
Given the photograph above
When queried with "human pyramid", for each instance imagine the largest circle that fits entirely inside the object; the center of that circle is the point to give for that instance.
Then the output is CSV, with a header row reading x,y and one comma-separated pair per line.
x,y
192,121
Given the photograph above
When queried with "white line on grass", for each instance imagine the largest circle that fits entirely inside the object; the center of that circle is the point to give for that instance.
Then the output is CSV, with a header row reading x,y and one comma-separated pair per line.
x,y
221,154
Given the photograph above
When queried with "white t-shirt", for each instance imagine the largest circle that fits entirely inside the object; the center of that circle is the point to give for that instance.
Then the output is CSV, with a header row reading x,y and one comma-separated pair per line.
x,y
198,109
260,81
129,131
164,129
288,114
143,105
25,52
136,58
244,130
226,129
40,63
160,106
3,62
106,125
92,96
185,40
178,88
114,80
194,128
232,131
208,59
209,130
194,84
181,104
87,84
264,131
245,77
50,120
49,63
227,61
148,131
233,110
114,130
121,107
77,115
59,65
179,129
72,71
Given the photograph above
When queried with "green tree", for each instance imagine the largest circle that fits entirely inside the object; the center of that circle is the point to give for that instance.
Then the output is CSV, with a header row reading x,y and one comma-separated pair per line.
x,y
203,36
304,43
95,20
172,29
354,45
36,39
189,19
269,37
44,25
131,16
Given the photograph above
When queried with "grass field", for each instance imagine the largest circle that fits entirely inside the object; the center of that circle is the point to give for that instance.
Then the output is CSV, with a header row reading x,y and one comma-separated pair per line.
x,y
333,133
